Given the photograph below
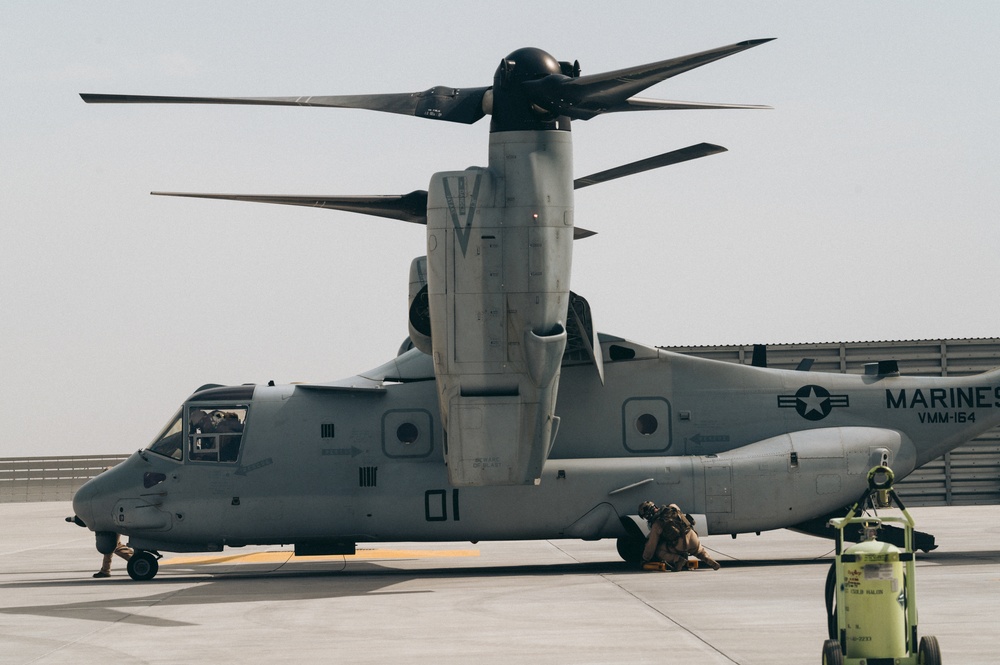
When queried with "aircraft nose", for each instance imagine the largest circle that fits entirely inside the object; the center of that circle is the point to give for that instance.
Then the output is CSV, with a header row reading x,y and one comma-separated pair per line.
x,y
83,502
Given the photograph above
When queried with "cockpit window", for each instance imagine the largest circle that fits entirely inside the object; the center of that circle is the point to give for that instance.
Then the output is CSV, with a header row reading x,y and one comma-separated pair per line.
x,y
215,434
170,440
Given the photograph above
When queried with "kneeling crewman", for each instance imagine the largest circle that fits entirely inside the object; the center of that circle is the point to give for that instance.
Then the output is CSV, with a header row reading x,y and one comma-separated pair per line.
x,y
671,538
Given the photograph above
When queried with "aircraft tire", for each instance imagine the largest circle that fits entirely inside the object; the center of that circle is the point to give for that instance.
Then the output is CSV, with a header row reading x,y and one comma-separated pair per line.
x,y
929,652
630,549
832,655
142,566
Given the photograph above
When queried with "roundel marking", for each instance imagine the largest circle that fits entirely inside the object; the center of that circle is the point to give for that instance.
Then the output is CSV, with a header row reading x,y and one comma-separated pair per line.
x,y
812,402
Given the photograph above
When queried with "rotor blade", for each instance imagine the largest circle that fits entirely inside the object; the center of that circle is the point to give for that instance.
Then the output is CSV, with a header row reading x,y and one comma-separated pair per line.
x,y
410,207
464,105
587,96
666,159
645,104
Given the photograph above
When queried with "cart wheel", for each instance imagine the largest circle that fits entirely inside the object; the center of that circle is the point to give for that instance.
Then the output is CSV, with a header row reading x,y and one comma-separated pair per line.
x,y
142,566
929,653
832,655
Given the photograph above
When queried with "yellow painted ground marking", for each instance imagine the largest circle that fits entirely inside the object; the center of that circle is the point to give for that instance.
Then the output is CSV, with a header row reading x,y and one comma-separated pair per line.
x,y
279,556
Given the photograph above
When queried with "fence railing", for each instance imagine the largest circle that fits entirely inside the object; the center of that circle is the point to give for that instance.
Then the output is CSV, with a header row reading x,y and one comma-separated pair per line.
x,y
29,479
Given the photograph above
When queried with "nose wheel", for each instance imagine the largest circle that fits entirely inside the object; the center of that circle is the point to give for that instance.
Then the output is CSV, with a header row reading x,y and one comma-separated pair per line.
x,y
143,565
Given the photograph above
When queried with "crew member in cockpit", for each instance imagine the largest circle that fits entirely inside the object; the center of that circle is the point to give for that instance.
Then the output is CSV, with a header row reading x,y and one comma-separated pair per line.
x,y
198,419
229,446
201,423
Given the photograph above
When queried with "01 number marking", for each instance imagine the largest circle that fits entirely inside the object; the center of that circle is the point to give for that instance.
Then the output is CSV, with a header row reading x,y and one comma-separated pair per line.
x,y
436,506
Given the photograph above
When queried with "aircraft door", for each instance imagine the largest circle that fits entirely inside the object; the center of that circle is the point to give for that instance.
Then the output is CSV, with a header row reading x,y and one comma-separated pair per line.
x,y
212,464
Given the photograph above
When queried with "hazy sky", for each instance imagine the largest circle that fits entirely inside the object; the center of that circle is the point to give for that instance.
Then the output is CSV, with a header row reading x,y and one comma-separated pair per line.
x,y
863,207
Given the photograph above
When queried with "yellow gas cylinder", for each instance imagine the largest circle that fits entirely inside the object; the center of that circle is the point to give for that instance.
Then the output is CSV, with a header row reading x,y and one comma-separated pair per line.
x,y
874,601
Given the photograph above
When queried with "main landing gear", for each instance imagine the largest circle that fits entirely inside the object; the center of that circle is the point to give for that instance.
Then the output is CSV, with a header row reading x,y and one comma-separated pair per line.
x,y
630,549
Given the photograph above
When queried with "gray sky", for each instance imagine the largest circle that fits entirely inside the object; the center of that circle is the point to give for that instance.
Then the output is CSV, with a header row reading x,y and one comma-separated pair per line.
x,y
863,207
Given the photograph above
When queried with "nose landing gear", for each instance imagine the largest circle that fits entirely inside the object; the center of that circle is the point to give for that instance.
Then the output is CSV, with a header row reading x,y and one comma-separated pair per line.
x,y
143,565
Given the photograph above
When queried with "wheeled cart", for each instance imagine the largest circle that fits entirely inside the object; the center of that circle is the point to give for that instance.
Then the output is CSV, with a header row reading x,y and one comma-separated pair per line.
x,y
870,592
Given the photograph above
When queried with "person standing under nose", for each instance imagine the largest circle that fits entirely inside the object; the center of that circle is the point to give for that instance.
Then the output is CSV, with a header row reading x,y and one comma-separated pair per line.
x,y
124,551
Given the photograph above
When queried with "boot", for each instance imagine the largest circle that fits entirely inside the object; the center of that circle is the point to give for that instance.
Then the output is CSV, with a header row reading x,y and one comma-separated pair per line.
x,y
105,570
710,562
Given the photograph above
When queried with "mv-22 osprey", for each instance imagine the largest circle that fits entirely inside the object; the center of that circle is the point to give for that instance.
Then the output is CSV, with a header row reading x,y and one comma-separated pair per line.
x,y
504,416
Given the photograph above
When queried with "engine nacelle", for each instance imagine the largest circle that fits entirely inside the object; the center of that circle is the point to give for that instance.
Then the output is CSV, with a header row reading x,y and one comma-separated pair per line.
x,y
419,315
499,249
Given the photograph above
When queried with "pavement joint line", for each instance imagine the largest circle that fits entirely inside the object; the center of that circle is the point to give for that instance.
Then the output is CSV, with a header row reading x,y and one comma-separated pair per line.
x,y
568,555
665,616
672,620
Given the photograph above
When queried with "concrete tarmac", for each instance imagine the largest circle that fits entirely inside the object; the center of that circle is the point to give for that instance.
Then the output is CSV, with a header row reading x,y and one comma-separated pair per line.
x,y
492,602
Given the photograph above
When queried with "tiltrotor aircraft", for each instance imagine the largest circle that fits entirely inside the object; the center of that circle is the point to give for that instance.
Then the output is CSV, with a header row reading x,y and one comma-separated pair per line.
x,y
504,416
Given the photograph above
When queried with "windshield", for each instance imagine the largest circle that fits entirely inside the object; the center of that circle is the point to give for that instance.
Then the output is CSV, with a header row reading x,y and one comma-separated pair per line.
x,y
168,443
215,432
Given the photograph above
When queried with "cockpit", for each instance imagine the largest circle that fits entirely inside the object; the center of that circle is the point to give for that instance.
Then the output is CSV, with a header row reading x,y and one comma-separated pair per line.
x,y
208,429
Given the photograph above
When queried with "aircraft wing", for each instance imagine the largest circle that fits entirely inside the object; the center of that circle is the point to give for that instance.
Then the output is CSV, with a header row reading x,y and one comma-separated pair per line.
x,y
355,384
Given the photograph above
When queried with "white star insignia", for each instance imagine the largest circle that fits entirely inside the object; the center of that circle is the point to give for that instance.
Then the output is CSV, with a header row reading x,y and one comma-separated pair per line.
x,y
812,402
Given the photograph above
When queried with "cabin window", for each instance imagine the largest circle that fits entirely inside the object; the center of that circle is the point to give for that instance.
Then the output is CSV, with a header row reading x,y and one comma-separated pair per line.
x,y
646,424
169,442
215,434
407,433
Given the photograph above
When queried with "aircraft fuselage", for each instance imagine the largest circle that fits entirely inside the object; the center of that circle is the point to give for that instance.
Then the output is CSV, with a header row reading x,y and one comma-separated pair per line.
x,y
748,448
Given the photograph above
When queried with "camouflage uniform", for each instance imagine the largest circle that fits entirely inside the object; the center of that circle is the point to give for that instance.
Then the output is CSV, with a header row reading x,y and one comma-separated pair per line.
x,y
674,551
124,551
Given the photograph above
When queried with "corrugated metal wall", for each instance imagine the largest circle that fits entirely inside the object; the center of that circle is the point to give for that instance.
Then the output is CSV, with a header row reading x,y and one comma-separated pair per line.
x,y
970,474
